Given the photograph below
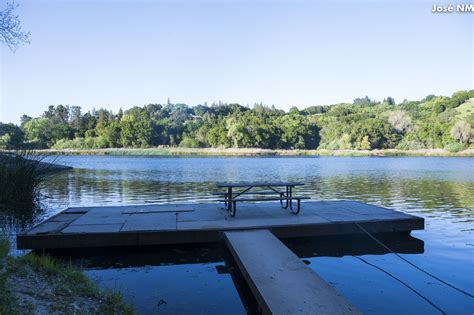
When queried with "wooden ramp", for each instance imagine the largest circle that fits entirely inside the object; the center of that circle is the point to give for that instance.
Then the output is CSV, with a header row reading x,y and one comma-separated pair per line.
x,y
279,280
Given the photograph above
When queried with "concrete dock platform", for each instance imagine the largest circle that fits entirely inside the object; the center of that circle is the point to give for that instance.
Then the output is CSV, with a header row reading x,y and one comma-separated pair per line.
x,y
138,225
279,280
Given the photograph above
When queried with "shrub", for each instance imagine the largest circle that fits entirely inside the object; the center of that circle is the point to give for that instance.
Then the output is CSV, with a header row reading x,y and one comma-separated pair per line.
x,y
410,144
345,143
333,145
76,143
461,131
455,147
189,143
364,144
82,143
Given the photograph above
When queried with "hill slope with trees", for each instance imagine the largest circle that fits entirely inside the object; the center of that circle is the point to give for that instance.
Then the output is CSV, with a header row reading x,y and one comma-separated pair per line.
x,y
433,122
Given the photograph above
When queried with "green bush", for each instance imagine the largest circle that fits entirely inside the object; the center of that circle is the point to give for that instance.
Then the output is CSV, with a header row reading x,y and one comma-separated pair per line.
x,y
190,143
76,143
455,147
333,145
82,143
410,144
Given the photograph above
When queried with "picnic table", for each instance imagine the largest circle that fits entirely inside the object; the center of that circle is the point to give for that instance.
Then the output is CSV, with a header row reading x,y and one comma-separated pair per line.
x,y
277,191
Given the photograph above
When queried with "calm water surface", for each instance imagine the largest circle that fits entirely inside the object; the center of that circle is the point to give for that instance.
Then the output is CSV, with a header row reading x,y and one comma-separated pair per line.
x,y
196,281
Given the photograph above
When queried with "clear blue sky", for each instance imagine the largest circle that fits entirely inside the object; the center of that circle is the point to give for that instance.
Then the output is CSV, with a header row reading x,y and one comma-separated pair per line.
x,y
123,53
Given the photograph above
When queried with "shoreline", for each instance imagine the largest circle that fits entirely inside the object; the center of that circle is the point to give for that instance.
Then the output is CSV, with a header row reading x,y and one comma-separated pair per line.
x,y
40,284
176,151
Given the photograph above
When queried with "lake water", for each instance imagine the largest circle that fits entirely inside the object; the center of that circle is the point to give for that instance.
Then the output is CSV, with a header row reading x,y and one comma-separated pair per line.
x,y
195,280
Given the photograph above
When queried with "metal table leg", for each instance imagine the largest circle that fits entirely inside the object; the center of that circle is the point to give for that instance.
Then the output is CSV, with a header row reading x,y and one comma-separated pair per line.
x,y
291,197
229,197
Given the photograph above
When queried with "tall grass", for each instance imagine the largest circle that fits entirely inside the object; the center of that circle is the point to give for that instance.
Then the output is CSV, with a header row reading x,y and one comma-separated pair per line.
x,y
6,300
21,177
66,282
177,151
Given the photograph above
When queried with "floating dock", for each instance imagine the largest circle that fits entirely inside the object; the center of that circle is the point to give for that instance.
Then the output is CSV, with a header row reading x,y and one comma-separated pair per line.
x,y
280,282
139,225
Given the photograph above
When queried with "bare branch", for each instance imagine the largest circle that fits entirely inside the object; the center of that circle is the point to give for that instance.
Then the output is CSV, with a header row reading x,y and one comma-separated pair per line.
x,y
10,28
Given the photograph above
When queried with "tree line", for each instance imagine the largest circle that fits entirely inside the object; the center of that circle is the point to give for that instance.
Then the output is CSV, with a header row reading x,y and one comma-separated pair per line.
x,y
365,124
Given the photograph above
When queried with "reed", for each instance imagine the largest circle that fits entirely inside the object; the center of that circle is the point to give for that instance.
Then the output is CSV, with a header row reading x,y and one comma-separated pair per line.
x,y
21,178
178,151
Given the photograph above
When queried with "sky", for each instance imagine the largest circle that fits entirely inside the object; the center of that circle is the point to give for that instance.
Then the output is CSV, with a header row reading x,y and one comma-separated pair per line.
x,y
119,54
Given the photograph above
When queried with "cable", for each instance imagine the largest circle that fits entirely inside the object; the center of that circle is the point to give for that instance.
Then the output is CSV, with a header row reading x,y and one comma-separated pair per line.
x,y
412,264
405,284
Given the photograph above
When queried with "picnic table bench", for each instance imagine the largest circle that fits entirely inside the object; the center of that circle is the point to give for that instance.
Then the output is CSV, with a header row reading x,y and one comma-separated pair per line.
x,y
274,193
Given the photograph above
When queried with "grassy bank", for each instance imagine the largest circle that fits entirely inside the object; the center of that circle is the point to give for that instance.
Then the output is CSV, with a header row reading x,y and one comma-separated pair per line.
x,y
42,285
176,151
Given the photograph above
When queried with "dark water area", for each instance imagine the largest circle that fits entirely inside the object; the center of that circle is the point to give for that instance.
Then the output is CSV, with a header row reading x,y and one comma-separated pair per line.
x,y
202,279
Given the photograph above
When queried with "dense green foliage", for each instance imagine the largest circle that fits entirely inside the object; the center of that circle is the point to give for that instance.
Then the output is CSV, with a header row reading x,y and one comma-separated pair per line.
x,y
434,122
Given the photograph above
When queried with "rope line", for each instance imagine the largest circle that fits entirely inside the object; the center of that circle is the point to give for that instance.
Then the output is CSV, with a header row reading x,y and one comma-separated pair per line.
x,y
404,283
413,265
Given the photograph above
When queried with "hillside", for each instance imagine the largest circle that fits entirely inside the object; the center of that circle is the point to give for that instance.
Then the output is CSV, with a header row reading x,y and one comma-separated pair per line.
x,y
466,111
435,122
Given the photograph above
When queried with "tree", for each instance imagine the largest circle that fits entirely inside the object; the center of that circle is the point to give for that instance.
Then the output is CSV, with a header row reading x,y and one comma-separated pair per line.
x,y
109,134
458,98
45,131
217,136
75,120
294,110
136,128
24,119
412,125
363,101
428,98
10,28
400,120
298,132
364,144
50,112
430,133
61,114
11,136
236,132
389,101
461,131
346,142
381,134
38,130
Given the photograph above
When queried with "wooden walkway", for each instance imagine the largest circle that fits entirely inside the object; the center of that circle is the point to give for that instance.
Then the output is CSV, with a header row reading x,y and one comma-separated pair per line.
x,y
139,225
279,280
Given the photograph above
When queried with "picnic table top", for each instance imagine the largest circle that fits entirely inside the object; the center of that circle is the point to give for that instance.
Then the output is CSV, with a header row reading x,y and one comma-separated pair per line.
x,y
259,184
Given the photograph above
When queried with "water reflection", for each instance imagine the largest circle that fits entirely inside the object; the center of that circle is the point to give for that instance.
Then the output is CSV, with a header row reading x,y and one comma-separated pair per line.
x,y
209,264
161,180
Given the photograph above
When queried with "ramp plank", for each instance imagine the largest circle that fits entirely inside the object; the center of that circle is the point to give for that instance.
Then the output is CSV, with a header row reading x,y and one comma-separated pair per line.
x,y
280,281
